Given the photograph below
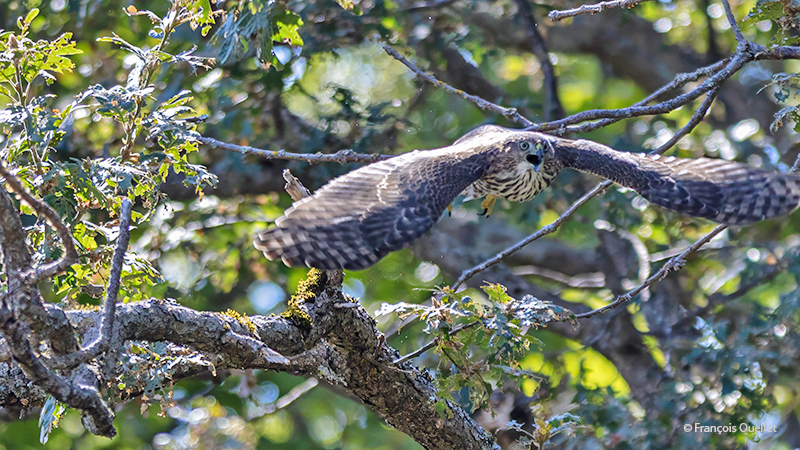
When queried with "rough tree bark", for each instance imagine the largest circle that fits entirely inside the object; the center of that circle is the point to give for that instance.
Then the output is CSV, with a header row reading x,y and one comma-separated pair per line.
x,y
324,334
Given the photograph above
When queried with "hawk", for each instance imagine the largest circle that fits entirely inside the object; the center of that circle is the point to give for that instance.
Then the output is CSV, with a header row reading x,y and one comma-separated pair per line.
x,y
358,218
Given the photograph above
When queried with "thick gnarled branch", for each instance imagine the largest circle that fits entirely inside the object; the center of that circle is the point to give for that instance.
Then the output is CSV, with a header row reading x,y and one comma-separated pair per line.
x,y
343,347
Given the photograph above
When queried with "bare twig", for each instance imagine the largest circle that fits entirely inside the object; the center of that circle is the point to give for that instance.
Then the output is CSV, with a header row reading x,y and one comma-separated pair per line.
x,y
737,32
297,191
552,105
774,53
796,166
733,65
682,79
557,15
296,392
549,229
678,81
294,187
432,343
509,113
593,280
341,157
44,210
103,340
286,400
697,117
673,264
117,260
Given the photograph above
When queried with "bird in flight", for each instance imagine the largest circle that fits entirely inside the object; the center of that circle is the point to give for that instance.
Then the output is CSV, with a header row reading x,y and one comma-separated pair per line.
x,y
360,217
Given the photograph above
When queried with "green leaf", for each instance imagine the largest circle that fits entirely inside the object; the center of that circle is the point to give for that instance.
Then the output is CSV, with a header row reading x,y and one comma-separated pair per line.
x,y
202,16
31,15
84,237
765,10
497,293
142,54
287,26
350,6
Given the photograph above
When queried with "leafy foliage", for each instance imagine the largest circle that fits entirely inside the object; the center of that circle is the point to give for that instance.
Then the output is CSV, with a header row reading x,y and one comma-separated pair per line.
x,y
786,17
500,337
257,24
783,14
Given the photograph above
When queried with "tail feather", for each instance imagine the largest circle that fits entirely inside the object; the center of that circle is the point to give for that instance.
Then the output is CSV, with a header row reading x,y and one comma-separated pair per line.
x,y
296,247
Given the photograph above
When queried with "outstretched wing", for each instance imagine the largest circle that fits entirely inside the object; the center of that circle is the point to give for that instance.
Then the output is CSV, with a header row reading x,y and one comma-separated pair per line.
x,y
723,191
358,218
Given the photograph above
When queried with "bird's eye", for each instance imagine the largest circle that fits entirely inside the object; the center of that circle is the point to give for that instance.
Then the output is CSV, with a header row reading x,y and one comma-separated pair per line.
x,y
534,159
524,145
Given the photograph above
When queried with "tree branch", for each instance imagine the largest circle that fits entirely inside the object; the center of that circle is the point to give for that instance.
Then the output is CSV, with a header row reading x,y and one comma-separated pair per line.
x,y
593,9
21,295
103,341
432,343
16,257
44,210
509,113
674,263
552,105
343,347
341,157
737,32
736,63
98,418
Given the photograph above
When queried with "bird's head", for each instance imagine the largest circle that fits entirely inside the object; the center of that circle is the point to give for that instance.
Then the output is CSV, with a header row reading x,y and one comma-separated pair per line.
x,y
534,151
524,150
519,164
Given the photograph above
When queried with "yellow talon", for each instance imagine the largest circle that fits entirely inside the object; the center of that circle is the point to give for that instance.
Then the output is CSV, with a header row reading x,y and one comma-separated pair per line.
x,y
488,204
450,210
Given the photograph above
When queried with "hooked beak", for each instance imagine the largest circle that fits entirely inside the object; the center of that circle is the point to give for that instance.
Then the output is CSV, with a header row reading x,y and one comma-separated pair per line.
x,y
540,154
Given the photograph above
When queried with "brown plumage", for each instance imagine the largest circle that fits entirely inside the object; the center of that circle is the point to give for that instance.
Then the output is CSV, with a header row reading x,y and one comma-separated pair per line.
x,y
356,219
